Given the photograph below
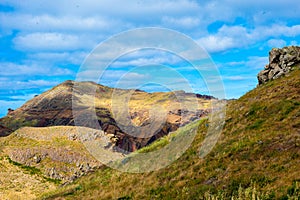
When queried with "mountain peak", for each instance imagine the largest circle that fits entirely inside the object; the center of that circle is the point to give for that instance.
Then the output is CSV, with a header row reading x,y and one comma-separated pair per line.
x,y
68,83
94,103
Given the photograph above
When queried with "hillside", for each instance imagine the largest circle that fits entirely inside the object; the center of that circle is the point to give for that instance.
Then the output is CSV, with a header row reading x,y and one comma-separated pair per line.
x,y
35,160
257,155
4,131
43,145
19,183
55,108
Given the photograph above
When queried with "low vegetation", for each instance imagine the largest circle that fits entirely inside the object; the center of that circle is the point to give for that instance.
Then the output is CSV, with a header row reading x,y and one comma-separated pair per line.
x,y
256,157
22,182
33,171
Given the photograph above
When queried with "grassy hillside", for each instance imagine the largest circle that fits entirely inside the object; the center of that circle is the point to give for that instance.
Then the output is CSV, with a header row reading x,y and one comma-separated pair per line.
x,y
21,183
35,160
257,155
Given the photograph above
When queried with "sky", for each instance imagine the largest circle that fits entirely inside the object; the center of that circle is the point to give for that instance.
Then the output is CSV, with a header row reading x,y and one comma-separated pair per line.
x,y
43,43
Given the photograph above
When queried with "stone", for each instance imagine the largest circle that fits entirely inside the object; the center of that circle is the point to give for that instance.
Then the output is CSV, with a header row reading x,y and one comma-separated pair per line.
x,y
281,62
274,55
37,159
10,111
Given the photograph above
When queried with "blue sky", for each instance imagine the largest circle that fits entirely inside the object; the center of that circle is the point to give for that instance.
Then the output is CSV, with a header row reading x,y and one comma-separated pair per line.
x,y
43,43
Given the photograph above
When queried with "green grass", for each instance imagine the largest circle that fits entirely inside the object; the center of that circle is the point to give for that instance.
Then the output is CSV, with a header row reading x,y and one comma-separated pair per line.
x,y
161,142
257,156
257,124
33,171
29,169
293,191
15,123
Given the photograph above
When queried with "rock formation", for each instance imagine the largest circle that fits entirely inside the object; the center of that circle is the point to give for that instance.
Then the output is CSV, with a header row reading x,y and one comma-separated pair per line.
x,y
57,151
281,62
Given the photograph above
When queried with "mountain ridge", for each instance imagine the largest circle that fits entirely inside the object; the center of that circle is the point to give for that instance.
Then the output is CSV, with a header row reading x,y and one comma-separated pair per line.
x,y
56,107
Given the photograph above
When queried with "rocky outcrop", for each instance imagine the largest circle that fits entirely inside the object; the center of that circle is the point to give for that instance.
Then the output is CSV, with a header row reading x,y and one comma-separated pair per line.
x,y
59,151
55,163
281,62
9,111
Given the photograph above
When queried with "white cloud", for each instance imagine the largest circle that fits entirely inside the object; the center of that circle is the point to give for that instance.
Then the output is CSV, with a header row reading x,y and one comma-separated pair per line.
x,y
45,22
229,37
118,74
252,63
76,25
52,41
236,63
111,76
12,69
216,43
236,78
274,30
49,34
76,57
276,43
256,12
294,43
116,8
184,22
30,84
215,9
143,61
257,62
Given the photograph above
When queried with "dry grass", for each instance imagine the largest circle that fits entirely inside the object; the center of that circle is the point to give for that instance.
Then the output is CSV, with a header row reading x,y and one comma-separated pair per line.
x,y
258,151
18,184
25,179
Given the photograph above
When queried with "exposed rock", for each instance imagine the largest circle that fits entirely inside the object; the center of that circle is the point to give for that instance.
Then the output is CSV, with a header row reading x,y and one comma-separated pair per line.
x,y
281,62
55,152
9,111
4,131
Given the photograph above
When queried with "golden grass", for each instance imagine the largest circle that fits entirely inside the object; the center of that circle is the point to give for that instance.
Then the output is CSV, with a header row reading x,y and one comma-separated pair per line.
x,y
257,155
18,184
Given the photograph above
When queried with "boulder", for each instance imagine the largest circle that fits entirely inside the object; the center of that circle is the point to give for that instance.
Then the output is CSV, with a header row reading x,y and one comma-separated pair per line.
x,y
281,62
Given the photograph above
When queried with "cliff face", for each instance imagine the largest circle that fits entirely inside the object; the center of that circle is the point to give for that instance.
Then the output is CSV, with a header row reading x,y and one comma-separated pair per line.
x,y
281,62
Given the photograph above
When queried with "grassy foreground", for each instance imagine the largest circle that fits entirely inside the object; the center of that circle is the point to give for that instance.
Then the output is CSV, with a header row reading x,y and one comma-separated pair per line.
x,y
256,157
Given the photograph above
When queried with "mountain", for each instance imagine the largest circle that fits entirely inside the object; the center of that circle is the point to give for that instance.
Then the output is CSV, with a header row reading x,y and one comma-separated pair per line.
x,y
41,138
55,108
256,157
